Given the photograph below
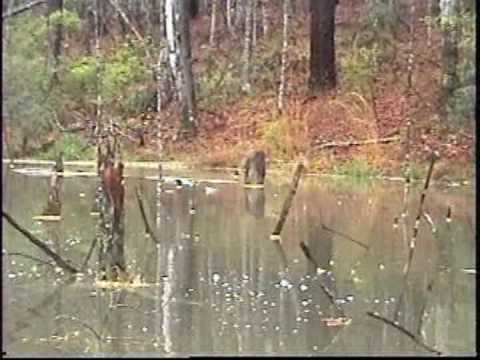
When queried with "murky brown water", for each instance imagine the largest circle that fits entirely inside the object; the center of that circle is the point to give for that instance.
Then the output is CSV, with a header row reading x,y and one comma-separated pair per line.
x,y
217,281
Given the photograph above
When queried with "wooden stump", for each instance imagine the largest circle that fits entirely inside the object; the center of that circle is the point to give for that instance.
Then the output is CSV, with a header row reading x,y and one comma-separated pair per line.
x,y
255,168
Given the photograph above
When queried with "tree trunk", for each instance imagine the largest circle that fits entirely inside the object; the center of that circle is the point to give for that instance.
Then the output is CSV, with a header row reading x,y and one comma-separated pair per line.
x,y
5,114
322,45
247,48
57,39
450,40
281,90
98,105
264,18
171,33
192,8
189,120
213,22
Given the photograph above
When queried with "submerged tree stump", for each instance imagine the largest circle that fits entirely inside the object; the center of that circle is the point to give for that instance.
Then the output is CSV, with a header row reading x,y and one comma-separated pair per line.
x,y
255,168
58,167
255,202
54,204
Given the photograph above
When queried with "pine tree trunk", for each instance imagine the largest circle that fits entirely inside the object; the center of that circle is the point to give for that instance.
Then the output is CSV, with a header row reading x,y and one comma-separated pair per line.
x,y
322,45
189,120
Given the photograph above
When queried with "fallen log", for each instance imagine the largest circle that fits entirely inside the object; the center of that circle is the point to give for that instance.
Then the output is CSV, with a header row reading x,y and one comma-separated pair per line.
x,y
357,142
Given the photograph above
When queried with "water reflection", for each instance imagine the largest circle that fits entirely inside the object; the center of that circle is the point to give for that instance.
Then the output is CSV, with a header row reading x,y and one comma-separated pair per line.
x,y
219,285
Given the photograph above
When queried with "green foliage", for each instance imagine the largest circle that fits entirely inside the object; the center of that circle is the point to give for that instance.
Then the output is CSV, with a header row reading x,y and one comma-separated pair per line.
x,y
73,147
69,19
26,80
359,68
78,82
357,168
122,71
120,77
275,134
217,83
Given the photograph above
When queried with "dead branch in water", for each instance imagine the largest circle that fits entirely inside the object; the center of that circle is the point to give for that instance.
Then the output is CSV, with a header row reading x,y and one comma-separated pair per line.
x,y
288,201
33,239
434,157
357,142
83,323
30,257
148,228
326,290
345,236
90,251
404,331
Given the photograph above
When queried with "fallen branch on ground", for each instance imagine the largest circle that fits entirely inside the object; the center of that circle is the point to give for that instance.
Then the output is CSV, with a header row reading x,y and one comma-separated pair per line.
x,y
357,142
33,239
404,331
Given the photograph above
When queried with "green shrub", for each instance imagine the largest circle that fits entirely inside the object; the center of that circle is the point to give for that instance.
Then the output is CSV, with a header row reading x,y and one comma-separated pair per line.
x,y
359,68
73,147
357,168
275,134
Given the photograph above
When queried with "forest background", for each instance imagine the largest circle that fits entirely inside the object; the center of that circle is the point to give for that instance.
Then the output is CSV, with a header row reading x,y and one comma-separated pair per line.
x,y
204,81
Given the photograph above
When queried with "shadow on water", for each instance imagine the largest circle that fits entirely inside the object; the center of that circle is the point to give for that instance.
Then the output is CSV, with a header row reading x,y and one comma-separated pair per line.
x,y
217,283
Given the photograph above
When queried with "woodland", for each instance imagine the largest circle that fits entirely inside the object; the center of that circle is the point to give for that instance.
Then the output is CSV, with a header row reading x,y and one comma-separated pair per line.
x,y
357,87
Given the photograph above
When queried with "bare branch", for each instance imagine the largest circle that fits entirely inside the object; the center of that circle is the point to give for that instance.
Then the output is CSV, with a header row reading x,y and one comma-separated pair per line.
x,y
33,239
23,8
404,331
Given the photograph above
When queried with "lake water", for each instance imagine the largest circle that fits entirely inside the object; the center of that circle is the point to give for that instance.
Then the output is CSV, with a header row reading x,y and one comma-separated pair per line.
x,y
218,284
